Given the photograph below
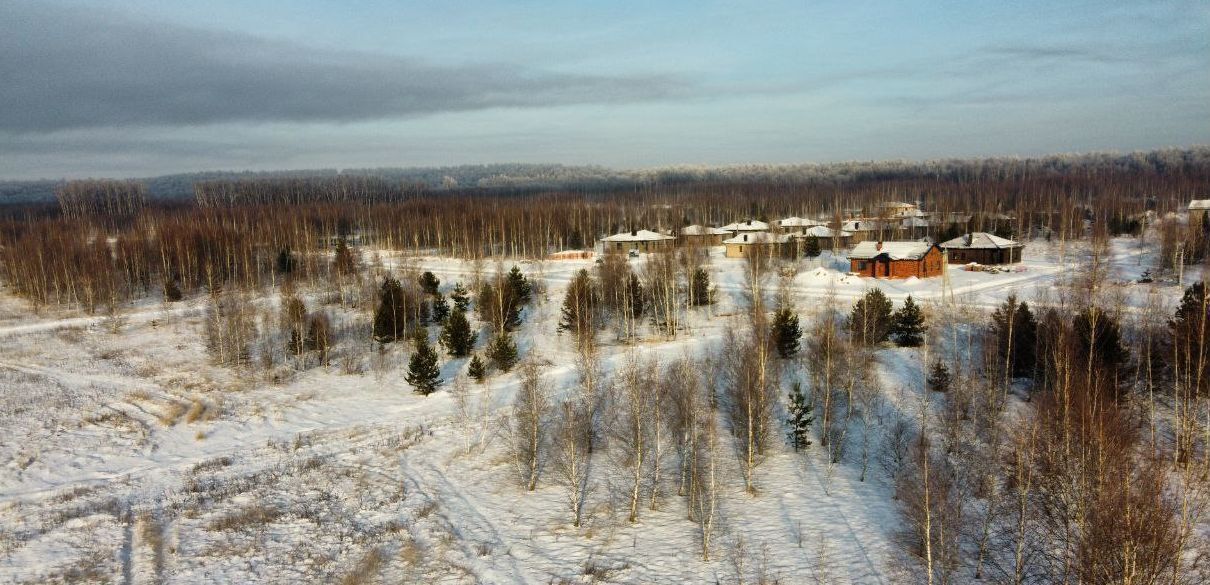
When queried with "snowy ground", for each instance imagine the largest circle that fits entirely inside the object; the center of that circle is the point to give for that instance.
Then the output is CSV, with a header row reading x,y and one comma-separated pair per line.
x,y
129,458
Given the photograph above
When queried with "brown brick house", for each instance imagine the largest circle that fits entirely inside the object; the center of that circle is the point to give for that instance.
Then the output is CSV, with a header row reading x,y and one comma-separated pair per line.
x,y
896,259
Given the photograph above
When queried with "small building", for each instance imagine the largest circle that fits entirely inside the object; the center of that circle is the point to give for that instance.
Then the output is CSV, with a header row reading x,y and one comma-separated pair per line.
x,y
697,235
1197,212
640,240
829,239
893,209
795,224
866,229
913,227
983,248
772,245
747,226
897,259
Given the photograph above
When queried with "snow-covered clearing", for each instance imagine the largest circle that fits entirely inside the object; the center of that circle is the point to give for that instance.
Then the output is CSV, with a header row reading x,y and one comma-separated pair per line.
x,y
129,458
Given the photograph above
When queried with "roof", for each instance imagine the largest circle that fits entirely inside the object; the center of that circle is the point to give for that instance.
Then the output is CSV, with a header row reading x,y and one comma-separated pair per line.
x,y
697,230
758,238
895,250
750,225
820,231
796,222
1199,204
859,225
980,240
914,222
637,236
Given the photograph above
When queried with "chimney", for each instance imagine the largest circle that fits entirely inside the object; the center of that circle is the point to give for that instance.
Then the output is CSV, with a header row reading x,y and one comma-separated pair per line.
x,y
634,232
745,237
878,246
749,222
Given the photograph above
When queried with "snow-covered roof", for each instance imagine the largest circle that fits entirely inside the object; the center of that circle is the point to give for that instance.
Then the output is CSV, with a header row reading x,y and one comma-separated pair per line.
x,y
980,240
796,222
895,250
750,225
859,225
1199,204
909,222
821,231
758,238
637,236
698,230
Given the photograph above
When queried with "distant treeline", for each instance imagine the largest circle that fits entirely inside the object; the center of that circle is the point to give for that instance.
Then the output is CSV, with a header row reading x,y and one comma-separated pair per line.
x,y
530,177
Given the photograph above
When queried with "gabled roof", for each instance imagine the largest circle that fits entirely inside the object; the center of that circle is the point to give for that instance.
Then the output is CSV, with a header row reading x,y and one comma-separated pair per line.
x,y
698,230
796,222
909,222
821,231
1199,204
758,238
637,236
750,225
860,225
980,240
894,250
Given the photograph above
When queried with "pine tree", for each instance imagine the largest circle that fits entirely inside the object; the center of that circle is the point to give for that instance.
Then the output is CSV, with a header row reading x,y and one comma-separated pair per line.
x,y
344,262
939,377
811,249
423,373
461,297
456,335
390,319
429,283
700,287
634,290
908,324
785,332
1016,331
870,321
503,352
440,308
521,289
579,306
285,261
800,419
476,369
172,291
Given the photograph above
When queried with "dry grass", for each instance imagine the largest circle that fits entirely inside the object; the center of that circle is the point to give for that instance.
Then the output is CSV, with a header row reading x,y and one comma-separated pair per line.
x,y
172,413
252,516
365,569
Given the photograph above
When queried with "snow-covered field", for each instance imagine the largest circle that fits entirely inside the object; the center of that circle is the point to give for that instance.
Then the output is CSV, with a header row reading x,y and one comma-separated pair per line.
x,y
127,457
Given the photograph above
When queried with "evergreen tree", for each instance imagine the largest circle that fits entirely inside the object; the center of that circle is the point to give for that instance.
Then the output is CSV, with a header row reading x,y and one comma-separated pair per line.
x,y
429,283
423,373
461,297
908,324
172,291
440,308
800,419
344,262
1016,331
1190,331
634,290
476,369
700,287
521,289
786,332
939,377
503,352
1099,336
870,321
390,320
285,261
579,306
456,335
811,249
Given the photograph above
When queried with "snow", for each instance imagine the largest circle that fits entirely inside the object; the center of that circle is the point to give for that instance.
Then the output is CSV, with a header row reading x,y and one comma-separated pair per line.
x,y
637,236
750,225
128,454
911,250
758,238
980,240
697,230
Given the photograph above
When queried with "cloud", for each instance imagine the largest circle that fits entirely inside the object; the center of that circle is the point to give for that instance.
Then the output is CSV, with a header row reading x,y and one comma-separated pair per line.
x,y
68,69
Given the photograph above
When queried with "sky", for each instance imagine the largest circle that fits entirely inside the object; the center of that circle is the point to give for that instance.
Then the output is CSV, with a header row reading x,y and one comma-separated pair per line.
x,y
128,88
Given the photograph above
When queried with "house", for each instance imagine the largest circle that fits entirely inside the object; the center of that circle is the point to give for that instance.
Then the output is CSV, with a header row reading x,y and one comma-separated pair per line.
x,y
829,239
748,226
894,209
983,248
640,240
914,227
764,243
702,235
795,224
865,229
897,259
1197,212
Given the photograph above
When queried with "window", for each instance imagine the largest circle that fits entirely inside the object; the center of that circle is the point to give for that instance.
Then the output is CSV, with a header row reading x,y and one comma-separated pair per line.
x,y
861,264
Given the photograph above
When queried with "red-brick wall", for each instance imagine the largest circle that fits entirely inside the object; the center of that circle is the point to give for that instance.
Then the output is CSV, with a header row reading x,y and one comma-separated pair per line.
x,y
882,267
